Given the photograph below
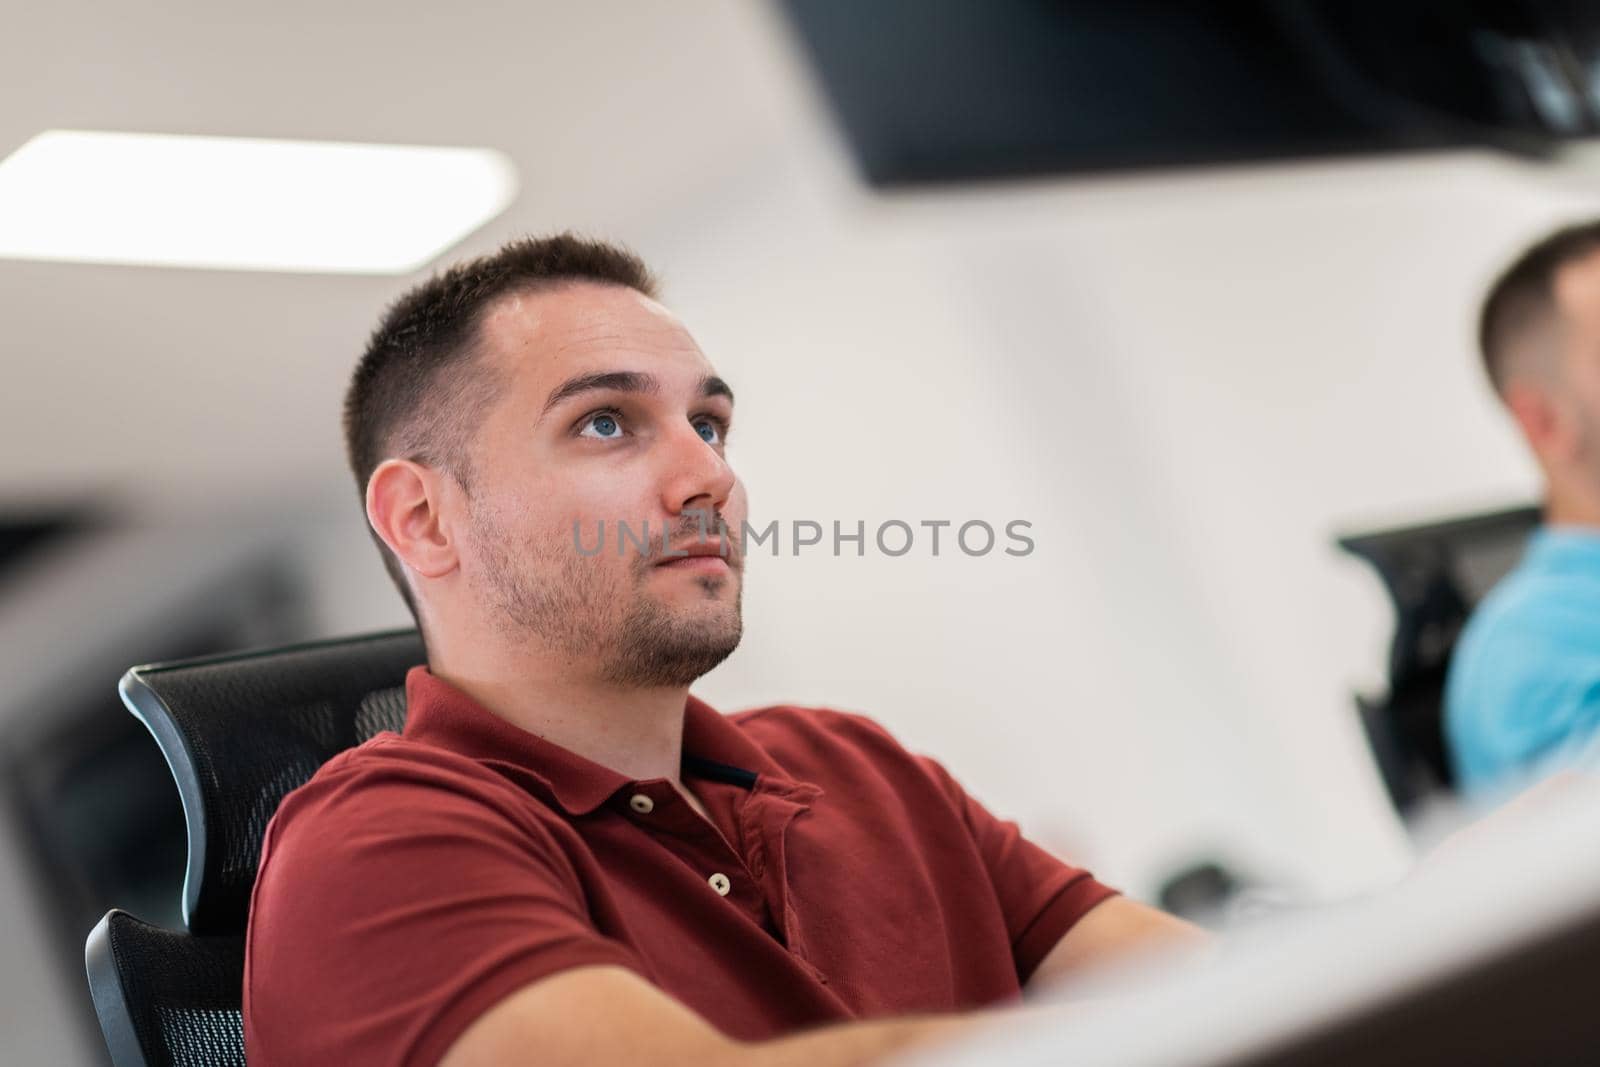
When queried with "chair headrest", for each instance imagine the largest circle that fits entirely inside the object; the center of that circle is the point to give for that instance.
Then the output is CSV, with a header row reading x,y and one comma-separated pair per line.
x,y
240,731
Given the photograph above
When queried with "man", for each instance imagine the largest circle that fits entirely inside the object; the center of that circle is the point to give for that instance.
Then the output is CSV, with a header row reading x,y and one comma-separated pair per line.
x,y
1523,693
567,858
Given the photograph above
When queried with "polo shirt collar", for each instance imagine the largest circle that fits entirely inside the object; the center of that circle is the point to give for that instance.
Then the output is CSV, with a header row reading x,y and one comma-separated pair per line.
x,y
438,713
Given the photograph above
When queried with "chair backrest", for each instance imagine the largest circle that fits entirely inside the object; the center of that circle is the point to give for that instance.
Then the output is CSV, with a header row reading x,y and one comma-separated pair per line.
x,y
1435,574
240,731
166,999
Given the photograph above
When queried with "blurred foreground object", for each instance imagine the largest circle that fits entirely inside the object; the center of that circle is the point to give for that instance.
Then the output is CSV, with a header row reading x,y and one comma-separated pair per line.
x,y
1485,956
959,89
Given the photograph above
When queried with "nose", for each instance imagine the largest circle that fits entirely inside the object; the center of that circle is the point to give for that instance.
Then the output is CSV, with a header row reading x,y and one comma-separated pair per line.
x,y
696,474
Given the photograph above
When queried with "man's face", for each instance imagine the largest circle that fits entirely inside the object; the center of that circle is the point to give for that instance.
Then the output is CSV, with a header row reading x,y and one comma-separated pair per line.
x,y
608,413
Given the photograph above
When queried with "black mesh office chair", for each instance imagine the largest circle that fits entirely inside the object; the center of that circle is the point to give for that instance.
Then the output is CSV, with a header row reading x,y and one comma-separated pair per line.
x,y
239,732
165,997
1435,574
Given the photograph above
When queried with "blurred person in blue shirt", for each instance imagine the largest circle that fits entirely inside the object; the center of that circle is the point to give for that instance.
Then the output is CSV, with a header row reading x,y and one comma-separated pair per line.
x,y
1523,694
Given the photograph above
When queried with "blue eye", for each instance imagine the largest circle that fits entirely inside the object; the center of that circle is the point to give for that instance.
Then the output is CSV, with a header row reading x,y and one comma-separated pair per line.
x,y
709,432
604,425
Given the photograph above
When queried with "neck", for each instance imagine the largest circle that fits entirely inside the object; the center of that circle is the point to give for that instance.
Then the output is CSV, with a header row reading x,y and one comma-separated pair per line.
x,y
635,732
1572,501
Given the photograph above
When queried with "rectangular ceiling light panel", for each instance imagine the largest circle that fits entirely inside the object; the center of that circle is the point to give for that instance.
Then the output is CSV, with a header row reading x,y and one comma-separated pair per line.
x,y
244,204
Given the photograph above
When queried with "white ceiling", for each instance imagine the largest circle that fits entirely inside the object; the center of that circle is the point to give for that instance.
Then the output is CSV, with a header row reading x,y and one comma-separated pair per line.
x,y
163,383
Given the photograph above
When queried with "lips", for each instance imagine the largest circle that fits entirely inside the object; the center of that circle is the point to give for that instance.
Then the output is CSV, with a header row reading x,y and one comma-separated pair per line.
x,y
700,555
694,550
701,564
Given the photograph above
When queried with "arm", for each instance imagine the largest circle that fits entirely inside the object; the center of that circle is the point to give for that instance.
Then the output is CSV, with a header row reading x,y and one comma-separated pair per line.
x,y
591,1015
1115,929
608,1015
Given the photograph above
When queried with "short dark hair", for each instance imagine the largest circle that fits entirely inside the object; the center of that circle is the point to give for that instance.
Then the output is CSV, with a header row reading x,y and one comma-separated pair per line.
x,y
1525,292
419,388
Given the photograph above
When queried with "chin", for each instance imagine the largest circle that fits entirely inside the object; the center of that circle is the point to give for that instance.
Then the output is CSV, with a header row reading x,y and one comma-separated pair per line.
x,y
675,653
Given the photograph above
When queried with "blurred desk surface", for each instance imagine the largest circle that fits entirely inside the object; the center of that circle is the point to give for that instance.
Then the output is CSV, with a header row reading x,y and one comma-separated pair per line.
x,y
1488,954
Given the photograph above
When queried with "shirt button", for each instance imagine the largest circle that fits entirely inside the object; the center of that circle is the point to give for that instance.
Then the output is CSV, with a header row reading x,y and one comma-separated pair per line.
x,y
720,883
641,804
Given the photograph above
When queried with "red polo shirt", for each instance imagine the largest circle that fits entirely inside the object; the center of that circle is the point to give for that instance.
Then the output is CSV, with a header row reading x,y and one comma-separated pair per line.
x,y
417,880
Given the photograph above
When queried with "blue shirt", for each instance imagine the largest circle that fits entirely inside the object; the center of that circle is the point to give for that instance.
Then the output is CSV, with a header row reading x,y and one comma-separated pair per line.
x,y
1523,694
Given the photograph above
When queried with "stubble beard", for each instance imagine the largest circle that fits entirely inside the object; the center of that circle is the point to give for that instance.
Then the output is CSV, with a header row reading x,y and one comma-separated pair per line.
x,y
601,618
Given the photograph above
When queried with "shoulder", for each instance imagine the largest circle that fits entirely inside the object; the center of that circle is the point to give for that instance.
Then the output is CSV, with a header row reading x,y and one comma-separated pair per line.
x,y
825,745
386,799
390,768
1532,626
1548,596
404,874
785,727
1524,673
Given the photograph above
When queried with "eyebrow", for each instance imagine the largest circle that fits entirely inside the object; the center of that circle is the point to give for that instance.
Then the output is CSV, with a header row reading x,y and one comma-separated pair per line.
x,y
626,381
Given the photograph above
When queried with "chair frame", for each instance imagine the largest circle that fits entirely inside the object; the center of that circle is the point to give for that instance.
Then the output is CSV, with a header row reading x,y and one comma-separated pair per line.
x,y
111,996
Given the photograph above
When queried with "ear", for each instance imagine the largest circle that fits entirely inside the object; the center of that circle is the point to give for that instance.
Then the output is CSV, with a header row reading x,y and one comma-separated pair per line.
x,y
1551,429
404,507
